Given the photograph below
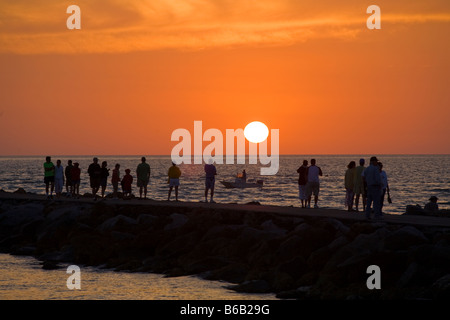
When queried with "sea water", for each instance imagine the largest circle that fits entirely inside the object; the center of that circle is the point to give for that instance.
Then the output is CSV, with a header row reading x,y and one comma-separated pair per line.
x,y
412,178
22,278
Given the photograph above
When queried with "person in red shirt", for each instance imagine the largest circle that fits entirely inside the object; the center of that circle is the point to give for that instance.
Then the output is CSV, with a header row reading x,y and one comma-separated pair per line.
x,y
75,175
127,181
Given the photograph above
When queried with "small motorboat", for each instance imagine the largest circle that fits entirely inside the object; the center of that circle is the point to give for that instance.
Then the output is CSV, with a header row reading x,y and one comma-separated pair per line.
x,y
239,182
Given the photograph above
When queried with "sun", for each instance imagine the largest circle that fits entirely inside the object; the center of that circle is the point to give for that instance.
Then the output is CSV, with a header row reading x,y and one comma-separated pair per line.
x,y
256,132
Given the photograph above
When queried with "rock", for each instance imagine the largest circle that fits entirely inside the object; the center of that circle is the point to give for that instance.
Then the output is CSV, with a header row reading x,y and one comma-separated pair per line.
x,y
117,223
234,273
268,225
441,288
404,238
414,210
299,293
146,219
20,191
252,286
50,265
178,220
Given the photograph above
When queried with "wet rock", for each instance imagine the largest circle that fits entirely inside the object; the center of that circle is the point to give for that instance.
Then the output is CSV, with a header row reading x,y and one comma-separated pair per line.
x,y
50,265
234,273
252,286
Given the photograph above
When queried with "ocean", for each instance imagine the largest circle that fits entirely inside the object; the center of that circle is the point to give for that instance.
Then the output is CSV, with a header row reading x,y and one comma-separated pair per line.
x,y
412,179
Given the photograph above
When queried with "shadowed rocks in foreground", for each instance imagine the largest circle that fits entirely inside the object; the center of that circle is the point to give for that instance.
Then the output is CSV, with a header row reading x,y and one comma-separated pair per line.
x,y
295,256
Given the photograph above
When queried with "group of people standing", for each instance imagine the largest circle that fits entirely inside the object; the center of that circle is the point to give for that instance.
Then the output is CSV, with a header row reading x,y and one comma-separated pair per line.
x,y
370,183
55,177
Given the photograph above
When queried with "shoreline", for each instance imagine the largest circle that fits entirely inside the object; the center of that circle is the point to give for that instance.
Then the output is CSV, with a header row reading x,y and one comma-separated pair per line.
x,y
293,252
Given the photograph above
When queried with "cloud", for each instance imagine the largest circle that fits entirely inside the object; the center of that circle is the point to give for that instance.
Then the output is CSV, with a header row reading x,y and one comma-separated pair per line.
x,y
126,26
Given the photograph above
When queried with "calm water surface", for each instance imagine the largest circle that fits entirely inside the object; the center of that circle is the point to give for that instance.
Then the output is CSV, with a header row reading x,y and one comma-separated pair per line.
x,y
22,278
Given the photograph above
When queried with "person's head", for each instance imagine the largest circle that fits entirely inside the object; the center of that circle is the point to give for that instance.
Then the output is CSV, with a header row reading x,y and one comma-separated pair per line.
x,y
433,199
143,159
58,162
117,166
313,162
69,162
95,160
380,165
127,171
48,159
104,164
76,164
305,162
374,161
362,162
351,165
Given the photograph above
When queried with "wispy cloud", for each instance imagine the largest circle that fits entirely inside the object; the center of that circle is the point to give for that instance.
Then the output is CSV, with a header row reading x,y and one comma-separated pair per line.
x,y
125,26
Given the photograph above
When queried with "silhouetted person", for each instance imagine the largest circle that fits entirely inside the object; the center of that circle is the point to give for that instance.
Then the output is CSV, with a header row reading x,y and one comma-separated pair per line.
x,y
143,177
104,173
94,172
210,179
432,206
127,182
49,177
302,180
349,185
75,177
313,184
385,185
359,188
115,179
174,174
68,174
59,178
372,177
244,176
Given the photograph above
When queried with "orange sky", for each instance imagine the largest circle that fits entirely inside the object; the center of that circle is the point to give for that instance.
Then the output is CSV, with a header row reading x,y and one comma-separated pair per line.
x,y
137,70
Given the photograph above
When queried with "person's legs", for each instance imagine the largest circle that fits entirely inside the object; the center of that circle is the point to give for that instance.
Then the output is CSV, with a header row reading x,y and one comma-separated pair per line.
x,y
316,194
140,192
170,191
206,194
212,193
145,191
176,193
377,203
369,200
383,193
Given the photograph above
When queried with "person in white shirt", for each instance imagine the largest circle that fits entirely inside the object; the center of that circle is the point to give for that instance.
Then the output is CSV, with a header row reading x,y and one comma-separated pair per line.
x,y
59,178
313,183
385,184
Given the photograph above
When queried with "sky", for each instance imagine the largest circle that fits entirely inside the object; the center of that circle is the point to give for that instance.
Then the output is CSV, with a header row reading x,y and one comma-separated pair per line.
x,y
138,70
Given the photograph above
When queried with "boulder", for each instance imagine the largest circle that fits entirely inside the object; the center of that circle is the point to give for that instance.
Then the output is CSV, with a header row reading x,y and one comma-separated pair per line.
x,y
20,191
252,286
404,238
178,220
118,223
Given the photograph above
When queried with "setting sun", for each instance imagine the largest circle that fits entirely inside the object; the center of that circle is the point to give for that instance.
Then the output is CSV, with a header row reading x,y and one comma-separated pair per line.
x,y
256,132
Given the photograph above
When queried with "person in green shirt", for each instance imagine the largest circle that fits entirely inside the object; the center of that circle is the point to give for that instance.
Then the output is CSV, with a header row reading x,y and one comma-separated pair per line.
x,y
174,180
49,177
143,177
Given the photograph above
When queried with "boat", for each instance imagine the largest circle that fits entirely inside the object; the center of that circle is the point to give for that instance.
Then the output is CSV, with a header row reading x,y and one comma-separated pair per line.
x,y
239,182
